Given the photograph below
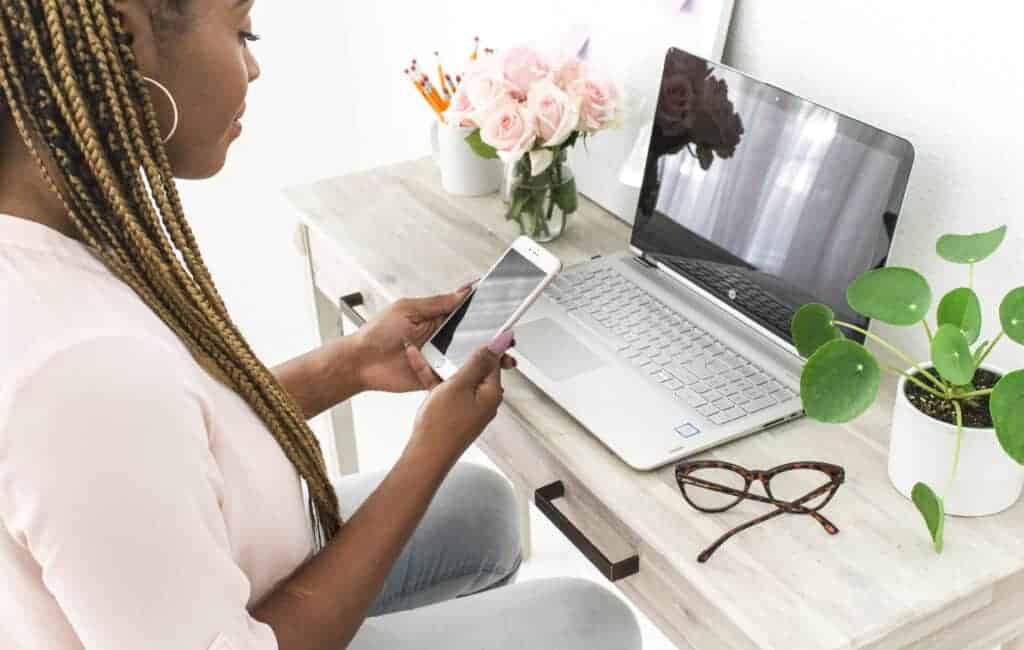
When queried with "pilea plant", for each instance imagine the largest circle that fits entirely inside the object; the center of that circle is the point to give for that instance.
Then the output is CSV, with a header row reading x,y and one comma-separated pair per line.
x,y
840,379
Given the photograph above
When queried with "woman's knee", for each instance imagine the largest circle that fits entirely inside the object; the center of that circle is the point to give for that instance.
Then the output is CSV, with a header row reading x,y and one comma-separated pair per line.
x,y
481,504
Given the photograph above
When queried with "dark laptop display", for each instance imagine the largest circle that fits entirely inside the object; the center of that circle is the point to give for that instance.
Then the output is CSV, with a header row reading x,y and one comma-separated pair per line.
x,y
762,198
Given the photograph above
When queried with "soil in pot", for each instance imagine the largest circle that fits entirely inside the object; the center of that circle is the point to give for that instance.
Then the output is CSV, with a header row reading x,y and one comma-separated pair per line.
x,y
976,413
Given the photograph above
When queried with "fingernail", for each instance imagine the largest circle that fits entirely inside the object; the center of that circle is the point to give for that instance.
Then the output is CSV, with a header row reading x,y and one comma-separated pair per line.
x,y
501,342
466,287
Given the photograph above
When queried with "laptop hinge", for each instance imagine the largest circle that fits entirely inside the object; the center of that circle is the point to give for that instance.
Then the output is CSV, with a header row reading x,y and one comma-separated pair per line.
x,y
642,259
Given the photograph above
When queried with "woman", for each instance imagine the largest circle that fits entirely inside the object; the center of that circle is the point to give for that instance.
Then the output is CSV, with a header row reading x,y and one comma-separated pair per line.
x,y
152,470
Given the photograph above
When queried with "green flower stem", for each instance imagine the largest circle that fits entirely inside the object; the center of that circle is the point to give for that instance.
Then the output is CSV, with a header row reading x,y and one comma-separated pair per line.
x,y
925,387
970,276
988,349
956,452
892,348
927,330
551,189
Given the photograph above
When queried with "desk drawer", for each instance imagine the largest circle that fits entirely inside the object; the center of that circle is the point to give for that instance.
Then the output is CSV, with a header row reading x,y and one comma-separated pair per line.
x,y
687,617
336,275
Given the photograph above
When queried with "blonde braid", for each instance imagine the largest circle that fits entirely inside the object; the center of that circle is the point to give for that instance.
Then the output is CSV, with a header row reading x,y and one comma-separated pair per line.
x,y
85,109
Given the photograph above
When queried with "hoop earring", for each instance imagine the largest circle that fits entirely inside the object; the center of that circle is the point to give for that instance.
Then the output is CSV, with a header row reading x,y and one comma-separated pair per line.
x,y
174,107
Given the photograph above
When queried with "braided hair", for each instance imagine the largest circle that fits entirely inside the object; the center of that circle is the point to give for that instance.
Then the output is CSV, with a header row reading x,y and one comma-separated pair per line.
x,y
68,74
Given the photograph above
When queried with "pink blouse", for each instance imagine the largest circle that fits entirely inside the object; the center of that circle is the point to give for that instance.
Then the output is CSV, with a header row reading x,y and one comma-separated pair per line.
x,y
143,503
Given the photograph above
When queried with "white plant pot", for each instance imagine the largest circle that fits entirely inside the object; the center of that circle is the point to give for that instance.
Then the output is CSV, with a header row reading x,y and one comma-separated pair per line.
x,y
921,448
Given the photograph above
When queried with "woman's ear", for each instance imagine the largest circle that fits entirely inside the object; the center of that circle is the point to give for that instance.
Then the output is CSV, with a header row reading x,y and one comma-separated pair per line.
x,y
138,17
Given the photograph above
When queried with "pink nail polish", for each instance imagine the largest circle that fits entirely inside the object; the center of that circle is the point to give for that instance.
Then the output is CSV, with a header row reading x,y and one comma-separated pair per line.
x,y
501,342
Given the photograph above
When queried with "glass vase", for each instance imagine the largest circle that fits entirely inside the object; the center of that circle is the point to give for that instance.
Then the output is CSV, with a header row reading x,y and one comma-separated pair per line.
x,y
541,203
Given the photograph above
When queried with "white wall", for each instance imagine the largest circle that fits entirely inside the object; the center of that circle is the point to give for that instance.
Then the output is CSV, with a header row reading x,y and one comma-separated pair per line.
x,y
946,75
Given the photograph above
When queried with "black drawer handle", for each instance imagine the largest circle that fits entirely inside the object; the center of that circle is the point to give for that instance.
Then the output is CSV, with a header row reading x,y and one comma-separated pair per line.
x,y
543,497
347,305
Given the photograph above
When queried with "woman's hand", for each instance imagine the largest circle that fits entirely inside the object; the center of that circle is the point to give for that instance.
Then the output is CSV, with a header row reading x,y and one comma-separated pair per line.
x,y
381,358
456,411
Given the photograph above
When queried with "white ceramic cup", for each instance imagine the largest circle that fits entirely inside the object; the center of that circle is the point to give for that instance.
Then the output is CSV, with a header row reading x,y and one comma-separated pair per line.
x,y
463,172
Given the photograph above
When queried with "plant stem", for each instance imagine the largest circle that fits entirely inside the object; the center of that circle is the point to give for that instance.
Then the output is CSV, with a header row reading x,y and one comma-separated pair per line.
x,y
956,452
988,349
551,192
977,393
927,330
970,276
925,387
892,348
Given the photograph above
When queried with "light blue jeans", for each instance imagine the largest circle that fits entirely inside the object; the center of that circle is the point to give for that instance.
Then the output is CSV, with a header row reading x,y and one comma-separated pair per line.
x,y
451,587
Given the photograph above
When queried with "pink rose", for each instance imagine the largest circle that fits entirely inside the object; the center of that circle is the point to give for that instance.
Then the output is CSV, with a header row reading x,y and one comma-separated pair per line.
x,y
599,103
484,91
522,67
511,128
460,112
571,70
557,114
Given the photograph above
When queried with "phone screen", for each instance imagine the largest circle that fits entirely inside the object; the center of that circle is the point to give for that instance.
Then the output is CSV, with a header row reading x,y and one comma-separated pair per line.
x,y
488,307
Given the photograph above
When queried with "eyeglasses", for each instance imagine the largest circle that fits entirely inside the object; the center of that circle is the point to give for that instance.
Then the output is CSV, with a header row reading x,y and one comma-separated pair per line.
x,y
800,488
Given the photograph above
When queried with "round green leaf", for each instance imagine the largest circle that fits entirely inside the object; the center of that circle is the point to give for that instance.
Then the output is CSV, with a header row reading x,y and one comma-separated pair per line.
x,y
1008,393
951,355
839,381
893,295
812,328
1011,315
931,508
961,307
966,249
1011,432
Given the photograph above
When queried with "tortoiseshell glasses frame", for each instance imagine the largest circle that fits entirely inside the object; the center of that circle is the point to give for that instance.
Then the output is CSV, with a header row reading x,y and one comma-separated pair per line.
x,y
834,474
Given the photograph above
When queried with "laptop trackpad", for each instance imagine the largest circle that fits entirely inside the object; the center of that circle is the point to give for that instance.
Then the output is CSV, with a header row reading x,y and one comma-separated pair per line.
x,y
554,350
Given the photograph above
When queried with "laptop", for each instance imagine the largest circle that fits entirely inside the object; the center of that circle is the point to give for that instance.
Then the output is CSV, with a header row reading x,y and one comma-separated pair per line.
x,y
753,202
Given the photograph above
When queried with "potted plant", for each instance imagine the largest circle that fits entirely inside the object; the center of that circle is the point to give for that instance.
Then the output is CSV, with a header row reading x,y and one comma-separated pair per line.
x,y
958,423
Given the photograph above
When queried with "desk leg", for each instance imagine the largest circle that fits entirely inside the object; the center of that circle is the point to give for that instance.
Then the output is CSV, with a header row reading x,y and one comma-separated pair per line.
x,y
341,425
525,497
338,442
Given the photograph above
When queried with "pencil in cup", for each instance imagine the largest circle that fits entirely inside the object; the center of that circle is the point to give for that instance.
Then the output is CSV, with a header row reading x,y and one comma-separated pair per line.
x,y
434,106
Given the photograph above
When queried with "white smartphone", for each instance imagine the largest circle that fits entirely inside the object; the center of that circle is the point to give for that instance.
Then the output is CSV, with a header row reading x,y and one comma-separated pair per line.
x,y
493,306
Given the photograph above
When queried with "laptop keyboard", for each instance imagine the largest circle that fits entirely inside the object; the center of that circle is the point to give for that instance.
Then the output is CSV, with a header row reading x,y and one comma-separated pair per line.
x,y
685,360
747,295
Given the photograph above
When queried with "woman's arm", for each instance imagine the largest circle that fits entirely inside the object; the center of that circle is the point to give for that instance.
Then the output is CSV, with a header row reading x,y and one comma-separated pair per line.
x,y
325,601
324,377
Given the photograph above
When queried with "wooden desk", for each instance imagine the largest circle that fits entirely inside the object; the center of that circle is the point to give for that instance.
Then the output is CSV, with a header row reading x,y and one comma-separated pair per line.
x,y
392,232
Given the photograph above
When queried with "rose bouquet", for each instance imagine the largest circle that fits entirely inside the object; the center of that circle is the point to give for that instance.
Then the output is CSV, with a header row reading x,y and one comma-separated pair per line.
x,y
529,110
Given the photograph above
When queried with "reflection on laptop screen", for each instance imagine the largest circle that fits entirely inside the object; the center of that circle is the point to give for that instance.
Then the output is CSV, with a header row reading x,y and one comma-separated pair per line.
x,y
762,198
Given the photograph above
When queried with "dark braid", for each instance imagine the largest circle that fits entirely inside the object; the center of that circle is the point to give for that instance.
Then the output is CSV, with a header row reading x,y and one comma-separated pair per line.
x,y
69,74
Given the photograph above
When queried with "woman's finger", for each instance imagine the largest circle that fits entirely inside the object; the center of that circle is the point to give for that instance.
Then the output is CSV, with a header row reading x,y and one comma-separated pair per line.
x,y
428,378
438,306
508,362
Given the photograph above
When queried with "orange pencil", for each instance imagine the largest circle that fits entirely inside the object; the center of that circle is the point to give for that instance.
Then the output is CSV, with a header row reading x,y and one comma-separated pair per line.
x,y
440,77
409,76
430,100
427,86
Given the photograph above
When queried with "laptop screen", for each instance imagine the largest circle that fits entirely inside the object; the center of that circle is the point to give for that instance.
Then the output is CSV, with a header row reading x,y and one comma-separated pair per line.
x,y
762,198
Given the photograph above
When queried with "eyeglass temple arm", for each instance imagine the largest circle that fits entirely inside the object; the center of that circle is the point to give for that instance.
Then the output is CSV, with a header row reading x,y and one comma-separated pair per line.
x,y
829,527
797,508
706,553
